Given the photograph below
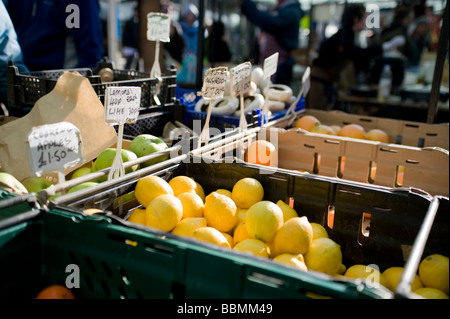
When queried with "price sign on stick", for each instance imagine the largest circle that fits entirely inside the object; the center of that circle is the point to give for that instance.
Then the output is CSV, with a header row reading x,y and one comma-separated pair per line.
x,y
270,68
54,147
213,88
241,77
158,29
306,85
121,106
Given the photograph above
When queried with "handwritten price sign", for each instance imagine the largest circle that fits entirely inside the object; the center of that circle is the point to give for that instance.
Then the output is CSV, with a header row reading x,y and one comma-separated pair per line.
x,y
158,27
122,104
54,147
214,83
241,77
270,65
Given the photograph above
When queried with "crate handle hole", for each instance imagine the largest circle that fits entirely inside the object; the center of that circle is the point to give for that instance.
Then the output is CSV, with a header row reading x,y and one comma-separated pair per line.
x,y
341,166
372,172
316,165
399,175
266,280
331,212
364,228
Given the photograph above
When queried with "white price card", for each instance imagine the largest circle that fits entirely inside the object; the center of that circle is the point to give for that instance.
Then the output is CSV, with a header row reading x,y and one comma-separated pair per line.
x,y
158,27
54,147
214,83
270,65
122,104
241,77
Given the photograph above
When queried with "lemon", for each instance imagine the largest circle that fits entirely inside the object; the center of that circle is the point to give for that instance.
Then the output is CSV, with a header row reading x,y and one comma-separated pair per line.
x,y
324,255
225,192
431,293
318,231
182,184
212,236
263,220
220,212
433,272
192,204
240,233
342,269
246,192
229,238
371,275
137,216
294,236
187,226
296,261
272,252
241,214
164,212
200,192
288,211
253,246
393,275
149,187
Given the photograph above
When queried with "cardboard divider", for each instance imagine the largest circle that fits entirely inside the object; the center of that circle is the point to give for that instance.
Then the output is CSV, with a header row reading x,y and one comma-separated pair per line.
x,y
374,163
408,133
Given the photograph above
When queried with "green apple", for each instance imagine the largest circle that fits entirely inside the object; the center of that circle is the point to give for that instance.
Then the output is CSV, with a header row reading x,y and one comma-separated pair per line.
x,y
10,184
145,144
106,158
81,171
36,183
81,186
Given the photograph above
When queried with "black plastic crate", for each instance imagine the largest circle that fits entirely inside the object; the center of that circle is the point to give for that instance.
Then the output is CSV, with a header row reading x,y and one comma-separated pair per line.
x,y
396,217
24,89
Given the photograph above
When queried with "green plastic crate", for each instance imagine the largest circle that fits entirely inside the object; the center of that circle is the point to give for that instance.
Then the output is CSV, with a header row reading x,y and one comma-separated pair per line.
x,y
204,271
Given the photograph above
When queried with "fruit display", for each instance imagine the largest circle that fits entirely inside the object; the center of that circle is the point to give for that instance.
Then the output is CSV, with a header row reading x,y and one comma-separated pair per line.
x,y
311,124
242,220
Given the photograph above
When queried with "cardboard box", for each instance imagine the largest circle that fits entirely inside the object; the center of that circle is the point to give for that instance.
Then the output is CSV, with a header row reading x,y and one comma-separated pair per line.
x,y
400,132
374,163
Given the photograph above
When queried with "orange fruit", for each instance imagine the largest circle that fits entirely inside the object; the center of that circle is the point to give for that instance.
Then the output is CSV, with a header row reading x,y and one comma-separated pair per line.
x,y
307,122
55,292
377,135
353,130
323,129
335,128
262,152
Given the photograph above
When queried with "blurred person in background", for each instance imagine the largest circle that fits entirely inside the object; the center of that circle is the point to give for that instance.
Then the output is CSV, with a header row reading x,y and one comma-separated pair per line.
x,y
189,25
59,34
403,17
9,51
280,29
217,48
174,49
130,41
340,59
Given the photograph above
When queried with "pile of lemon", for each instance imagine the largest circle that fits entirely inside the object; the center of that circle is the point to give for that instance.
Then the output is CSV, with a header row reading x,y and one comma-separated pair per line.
x,y
243,221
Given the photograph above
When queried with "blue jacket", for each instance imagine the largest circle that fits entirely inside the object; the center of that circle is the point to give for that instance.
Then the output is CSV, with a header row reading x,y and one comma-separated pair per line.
x,y
9,50
43,32
283,22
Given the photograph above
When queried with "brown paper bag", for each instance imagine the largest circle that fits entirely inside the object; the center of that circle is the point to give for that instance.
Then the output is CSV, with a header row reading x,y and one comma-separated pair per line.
x,y
72,100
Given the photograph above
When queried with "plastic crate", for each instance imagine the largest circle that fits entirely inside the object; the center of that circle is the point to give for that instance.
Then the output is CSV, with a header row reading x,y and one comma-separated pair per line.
x,y
189,98
24,89
400,132
395,218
